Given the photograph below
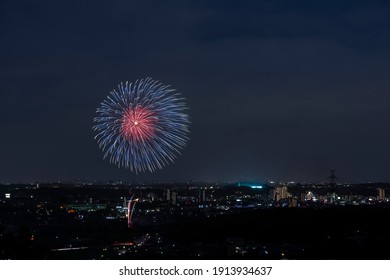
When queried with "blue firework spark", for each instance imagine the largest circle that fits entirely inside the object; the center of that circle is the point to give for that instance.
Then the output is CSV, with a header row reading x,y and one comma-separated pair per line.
x,y
142,126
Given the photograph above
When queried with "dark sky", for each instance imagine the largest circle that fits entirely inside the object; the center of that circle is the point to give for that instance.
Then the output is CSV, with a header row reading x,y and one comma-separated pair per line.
x,y
277,90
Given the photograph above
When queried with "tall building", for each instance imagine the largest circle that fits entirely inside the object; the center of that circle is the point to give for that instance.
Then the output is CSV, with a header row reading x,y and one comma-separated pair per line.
x,y
202,195
381,194
174,194
283,192
279,193
168,195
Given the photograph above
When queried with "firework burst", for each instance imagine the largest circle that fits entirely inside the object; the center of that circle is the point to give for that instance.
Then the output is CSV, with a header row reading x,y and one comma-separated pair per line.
x,y
142,126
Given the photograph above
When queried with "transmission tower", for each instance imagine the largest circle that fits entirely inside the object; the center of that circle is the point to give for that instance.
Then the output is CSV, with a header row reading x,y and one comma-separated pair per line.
x,y
333,178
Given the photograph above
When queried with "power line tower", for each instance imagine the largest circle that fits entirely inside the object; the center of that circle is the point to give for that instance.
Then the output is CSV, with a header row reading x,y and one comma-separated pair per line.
x,y
333,178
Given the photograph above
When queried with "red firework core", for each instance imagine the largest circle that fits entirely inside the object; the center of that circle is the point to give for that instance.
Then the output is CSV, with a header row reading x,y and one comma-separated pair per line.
x,y
138,124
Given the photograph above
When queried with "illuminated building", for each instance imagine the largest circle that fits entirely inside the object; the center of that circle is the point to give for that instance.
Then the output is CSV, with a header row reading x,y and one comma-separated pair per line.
x,y
202,195
174,197
381,194
168,195
279,193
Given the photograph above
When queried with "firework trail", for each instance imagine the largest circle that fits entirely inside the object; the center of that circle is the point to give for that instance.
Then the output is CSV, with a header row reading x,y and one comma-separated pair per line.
x,y
131,210
142,126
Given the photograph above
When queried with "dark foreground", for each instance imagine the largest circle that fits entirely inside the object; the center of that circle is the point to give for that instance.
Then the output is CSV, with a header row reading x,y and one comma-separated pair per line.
x,y
349,232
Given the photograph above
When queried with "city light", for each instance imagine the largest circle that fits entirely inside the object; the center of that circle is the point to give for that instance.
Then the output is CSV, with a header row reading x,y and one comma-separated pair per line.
x,y
172,219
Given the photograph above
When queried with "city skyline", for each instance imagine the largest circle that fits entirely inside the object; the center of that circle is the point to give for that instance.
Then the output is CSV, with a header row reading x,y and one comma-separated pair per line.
x,y
275,91
330,179
193,221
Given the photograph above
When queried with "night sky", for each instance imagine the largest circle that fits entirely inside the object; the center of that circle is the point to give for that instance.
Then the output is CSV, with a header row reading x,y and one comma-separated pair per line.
x,y
276,90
